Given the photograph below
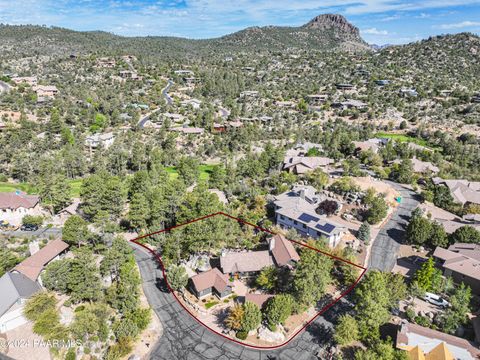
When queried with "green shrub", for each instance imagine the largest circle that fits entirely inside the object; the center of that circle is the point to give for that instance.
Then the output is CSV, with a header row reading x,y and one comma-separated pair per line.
x,y
242,335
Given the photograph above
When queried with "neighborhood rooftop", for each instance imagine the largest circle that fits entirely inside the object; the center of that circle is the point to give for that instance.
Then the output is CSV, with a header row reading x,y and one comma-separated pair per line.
x,y
15,200
33,265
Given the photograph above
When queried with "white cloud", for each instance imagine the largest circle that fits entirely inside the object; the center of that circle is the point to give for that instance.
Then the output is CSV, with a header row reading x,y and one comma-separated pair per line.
x,y
460,25
374,31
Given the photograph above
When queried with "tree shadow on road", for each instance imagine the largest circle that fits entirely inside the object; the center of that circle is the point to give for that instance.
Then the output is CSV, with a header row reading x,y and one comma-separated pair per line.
x,y
162,285
321,334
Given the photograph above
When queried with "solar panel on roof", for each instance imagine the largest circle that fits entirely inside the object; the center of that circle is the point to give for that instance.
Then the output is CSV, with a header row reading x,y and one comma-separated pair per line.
x,y
307,218
327,228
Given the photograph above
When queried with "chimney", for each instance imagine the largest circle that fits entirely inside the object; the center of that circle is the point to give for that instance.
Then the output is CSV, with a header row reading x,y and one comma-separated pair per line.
x,y
302,194
272,243
33,247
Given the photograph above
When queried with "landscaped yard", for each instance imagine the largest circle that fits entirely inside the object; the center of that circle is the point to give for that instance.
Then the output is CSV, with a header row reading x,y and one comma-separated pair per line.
x,y
205,171
10,187
404,138
30,189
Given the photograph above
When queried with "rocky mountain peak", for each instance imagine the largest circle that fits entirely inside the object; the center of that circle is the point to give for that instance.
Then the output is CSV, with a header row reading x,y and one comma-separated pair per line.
x,y
333,21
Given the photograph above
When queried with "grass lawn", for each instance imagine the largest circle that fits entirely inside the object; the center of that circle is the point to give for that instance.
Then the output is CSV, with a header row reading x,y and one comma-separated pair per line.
x,y
405,138
209,304
75,186
205,171
11,187
30,189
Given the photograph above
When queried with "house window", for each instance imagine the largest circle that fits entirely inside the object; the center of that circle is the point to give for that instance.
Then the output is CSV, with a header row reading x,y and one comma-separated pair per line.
x,y
304,226
295,222
282,217
319,233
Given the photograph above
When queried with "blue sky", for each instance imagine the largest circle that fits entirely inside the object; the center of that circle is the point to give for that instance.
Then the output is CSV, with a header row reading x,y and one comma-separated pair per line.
x,y
380,21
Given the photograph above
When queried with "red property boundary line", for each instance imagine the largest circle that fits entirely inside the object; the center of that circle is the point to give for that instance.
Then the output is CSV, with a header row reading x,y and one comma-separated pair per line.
x,y
325,308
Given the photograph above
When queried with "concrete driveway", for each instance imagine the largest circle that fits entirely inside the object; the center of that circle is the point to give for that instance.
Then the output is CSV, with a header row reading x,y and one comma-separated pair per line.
x,y
383,255
185,338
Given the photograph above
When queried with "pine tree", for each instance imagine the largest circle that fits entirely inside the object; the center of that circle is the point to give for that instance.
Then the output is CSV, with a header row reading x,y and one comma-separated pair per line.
x,y
364,233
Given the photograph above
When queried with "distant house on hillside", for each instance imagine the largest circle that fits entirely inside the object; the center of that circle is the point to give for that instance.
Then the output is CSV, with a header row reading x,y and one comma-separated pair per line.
x,y
96,140
195,103
15,205
317,99
350,104
408,92
29,80
248,94
44,91
302,165
424,167
345,86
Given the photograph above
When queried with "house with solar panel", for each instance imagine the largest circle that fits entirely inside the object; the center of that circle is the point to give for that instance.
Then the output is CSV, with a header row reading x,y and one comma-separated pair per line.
x,y
295,209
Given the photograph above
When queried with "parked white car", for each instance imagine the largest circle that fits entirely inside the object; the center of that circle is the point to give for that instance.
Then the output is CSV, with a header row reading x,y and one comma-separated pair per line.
x,y
436,300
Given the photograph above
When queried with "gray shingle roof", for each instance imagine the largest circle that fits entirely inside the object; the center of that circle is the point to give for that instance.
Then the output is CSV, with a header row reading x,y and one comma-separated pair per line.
x,y
13,287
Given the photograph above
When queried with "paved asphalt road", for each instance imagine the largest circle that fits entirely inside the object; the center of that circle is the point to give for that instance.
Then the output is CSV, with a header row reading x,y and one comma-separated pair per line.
x,y
383,255
184,338
44,232
168,99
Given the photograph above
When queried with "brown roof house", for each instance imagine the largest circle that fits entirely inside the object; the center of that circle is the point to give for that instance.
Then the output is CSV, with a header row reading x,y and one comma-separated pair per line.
x,y
210,282
462,263
434,344
15,205
283,251
32,266
245,263
301,165
462,191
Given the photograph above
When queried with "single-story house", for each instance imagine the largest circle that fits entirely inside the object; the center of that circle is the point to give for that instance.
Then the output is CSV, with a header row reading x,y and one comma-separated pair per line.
x,y
195,103
423,167
210,282
30,80
462,191
345,86
189,130
462,263
15,289
32,266
302,165
349,104
94,141
245,263
15,205
433,342
46,91
317,99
